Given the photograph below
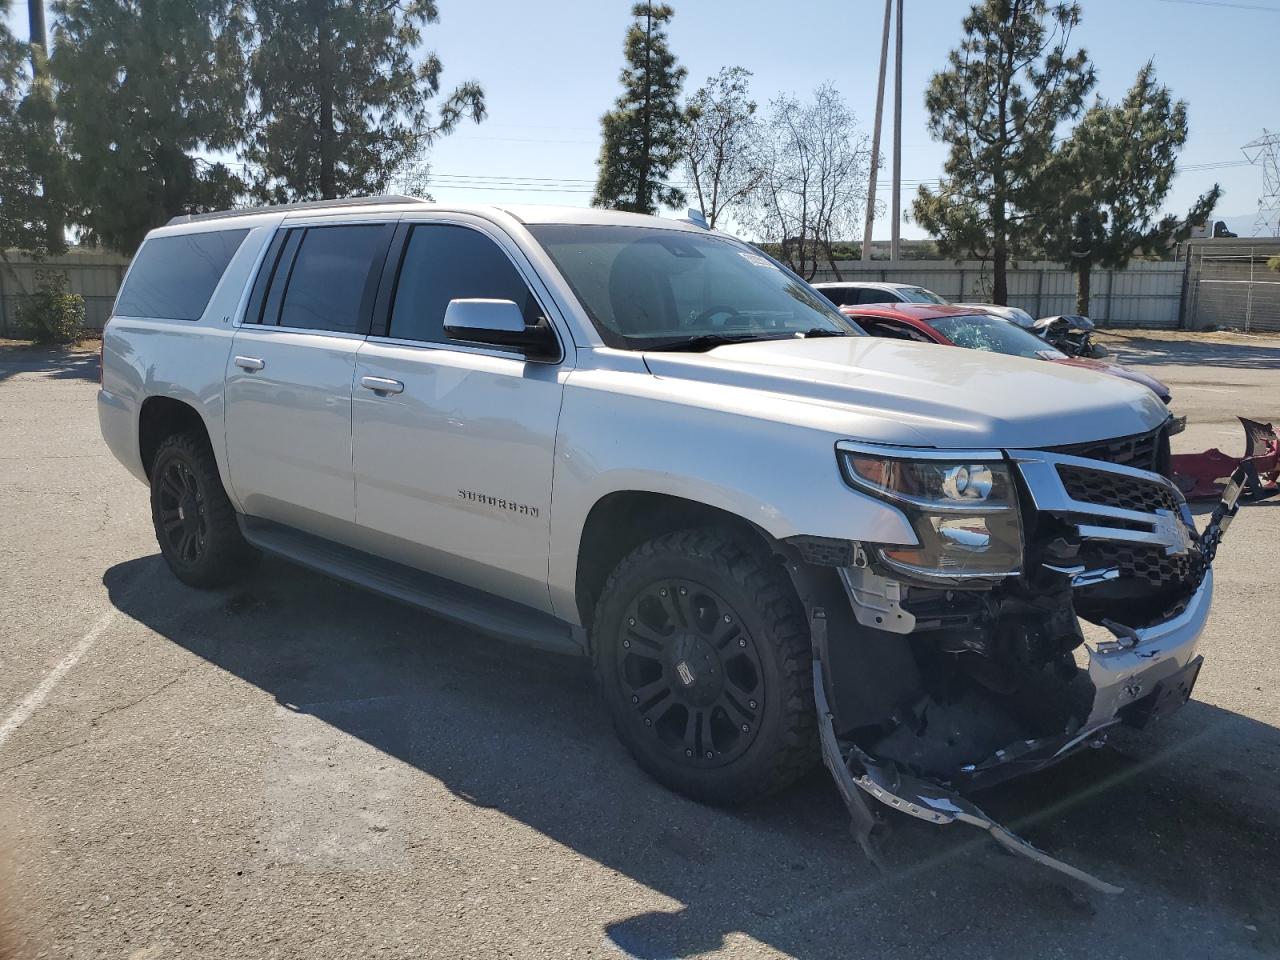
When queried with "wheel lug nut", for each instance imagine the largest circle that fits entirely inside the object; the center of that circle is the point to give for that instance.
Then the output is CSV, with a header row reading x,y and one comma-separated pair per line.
x,y
635,699
688,753
662,592
626,643
728,619
746,728
742,641
710,754
631,621
683,591
648,722
751,704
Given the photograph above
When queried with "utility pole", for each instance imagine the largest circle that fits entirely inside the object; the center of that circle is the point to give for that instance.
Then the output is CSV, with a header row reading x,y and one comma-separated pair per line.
x,y
895,246
875,136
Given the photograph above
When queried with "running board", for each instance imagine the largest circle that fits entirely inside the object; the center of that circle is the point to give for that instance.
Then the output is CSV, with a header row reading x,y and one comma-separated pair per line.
x,y
453,601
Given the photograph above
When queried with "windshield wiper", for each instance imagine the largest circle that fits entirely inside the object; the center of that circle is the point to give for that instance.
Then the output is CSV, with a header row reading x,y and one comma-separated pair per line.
x,y
704,341
822,332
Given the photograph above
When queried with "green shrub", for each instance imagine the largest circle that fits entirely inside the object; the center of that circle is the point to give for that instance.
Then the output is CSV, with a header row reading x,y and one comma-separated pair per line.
x,y
51,315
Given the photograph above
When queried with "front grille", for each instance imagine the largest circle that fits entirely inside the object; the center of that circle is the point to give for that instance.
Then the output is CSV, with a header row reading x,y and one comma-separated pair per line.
x,y
1144,451
1113,490
1151,564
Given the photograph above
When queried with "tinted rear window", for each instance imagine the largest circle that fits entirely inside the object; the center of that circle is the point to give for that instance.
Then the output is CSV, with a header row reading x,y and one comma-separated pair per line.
x,y
172,278
327,286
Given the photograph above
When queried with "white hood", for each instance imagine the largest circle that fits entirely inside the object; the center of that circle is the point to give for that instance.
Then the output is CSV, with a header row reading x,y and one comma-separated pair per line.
x,y
927,394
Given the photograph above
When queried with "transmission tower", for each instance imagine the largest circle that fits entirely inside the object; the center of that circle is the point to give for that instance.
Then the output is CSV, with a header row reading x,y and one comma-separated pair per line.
x,y
1265,152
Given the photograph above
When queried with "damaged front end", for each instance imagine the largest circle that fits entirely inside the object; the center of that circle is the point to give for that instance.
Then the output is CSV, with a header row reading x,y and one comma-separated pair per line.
x,y
951,665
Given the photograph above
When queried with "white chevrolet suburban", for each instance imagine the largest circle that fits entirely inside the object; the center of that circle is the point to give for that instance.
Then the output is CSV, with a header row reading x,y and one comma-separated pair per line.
x,y
649,443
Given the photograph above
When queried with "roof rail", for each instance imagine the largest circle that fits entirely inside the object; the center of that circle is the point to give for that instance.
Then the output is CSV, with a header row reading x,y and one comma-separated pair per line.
x,y
289,207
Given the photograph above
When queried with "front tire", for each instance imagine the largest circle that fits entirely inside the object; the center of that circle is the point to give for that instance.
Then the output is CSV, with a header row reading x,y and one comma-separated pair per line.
x,y
703,659
194,520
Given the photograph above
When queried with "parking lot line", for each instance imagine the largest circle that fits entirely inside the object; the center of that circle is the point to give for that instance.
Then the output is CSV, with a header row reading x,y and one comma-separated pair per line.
x,y
31,703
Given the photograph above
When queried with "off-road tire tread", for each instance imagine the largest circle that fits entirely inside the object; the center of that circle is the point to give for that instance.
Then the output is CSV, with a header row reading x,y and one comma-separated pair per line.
x,y
230,556
773,596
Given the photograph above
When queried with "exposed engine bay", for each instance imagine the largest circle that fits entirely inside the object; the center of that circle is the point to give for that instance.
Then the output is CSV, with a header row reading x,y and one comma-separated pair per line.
x,y
929,689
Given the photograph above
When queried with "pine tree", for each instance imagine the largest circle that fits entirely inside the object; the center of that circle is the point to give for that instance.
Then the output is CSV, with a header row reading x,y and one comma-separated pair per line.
x,y
29,208
1006,89
1110,179
642,133
341,105
145,89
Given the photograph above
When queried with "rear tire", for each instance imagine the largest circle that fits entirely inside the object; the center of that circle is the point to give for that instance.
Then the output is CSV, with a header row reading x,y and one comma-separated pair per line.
x,y
194,520
703,659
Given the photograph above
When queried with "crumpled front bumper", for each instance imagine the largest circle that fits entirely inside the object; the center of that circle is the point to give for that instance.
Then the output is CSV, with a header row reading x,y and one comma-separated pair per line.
x,y
1137,674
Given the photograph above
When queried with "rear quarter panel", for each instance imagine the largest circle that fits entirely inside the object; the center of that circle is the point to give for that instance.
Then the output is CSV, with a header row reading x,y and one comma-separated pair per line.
x,y
186,360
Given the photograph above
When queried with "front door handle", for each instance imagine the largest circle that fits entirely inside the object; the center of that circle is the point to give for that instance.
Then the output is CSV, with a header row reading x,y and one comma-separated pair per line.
x,y
249,363
382,385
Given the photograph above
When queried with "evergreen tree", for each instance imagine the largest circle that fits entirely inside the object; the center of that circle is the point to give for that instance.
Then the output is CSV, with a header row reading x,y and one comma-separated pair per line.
x,y
1006,89
341,105
145,87
28,211
642,133
1110,179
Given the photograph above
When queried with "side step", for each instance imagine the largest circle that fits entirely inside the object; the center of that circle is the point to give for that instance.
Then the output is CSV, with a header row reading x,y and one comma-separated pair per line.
x,y
453,601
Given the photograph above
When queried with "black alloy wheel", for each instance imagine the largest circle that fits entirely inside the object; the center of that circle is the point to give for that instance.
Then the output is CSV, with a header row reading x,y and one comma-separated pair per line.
x,y
692,672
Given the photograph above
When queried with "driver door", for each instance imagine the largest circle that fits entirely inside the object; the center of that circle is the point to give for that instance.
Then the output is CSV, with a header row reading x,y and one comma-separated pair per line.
x,y
452,444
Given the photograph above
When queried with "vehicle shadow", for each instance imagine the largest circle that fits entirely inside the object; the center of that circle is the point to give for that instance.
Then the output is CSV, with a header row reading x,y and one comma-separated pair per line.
x,y
1187,353
50,363
521,732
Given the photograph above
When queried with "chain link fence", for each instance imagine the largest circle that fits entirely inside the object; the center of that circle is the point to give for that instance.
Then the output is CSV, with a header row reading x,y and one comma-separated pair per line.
x,y
1231,287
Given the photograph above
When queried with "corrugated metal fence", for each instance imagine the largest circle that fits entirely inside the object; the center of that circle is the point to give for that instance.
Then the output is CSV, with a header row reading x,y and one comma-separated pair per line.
x,y
93,274
1147,294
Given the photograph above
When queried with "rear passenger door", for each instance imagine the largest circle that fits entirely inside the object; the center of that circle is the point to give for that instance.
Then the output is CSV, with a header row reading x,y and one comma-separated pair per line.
x,y
453,462
288,381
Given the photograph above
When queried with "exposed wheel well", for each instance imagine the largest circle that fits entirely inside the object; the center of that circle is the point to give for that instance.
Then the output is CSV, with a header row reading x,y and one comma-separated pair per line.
x,y
161,417
620,522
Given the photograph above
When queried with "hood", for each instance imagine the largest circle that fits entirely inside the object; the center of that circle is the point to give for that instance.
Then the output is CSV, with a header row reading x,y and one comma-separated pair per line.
x,y
1125,373
893,391
1012,314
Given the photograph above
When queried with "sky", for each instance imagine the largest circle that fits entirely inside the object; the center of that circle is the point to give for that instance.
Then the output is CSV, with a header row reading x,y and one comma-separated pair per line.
x,y
550,69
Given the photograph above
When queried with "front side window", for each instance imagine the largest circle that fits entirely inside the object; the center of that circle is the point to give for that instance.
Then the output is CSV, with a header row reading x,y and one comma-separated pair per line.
x,y
329,278
444,262
173,278
648,288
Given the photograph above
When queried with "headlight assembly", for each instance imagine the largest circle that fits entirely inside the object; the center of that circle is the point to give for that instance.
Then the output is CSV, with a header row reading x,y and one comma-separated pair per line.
x,y
964,510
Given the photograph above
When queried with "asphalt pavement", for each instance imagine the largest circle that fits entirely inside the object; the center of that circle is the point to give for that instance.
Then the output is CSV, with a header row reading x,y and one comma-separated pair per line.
x,y
292,768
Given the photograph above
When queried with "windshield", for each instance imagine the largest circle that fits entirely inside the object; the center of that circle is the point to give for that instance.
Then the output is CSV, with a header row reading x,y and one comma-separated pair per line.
x,y
985,332
919,295
647,288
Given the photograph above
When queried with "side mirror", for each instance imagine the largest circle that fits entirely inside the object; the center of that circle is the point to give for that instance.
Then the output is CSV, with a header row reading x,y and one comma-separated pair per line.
x,y
499,323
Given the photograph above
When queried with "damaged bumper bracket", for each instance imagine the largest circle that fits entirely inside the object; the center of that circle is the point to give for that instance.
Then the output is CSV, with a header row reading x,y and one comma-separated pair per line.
x,y
918,798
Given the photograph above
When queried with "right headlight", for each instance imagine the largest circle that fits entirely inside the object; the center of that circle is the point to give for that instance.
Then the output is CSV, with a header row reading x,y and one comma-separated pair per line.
x,y
964,511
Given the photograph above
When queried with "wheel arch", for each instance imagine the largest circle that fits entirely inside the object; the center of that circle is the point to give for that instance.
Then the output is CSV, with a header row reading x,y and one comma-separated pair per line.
x,y
620,521
163,416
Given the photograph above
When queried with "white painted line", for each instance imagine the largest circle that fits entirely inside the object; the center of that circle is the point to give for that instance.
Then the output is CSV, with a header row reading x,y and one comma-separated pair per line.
x,y
22,713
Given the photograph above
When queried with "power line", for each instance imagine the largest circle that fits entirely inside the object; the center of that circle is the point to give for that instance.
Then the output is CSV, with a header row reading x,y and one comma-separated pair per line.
x,y
1225,3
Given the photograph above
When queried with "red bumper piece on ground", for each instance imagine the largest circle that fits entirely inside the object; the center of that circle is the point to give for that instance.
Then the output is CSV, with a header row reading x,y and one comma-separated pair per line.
x,y
1198,475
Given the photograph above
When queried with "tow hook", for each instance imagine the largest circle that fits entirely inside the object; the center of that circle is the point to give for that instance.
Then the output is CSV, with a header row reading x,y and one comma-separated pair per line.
x,y
910,795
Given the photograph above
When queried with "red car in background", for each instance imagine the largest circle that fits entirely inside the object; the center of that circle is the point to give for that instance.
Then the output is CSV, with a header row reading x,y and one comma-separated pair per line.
x,y
961,327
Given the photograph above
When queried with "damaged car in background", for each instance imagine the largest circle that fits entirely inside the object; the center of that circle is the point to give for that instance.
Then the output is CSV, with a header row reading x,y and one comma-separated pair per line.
x,y
781,541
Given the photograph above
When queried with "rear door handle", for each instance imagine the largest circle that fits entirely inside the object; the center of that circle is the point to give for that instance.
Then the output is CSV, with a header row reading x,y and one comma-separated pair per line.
x,y
249,363
382,385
